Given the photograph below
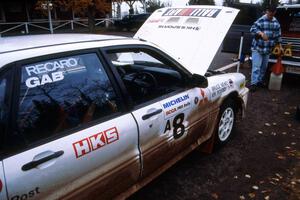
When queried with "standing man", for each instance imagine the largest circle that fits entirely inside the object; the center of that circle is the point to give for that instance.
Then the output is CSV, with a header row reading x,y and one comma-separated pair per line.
x,y
267,33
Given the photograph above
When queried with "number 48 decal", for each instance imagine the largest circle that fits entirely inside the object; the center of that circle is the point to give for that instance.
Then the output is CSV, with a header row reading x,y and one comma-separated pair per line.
x,y
179,128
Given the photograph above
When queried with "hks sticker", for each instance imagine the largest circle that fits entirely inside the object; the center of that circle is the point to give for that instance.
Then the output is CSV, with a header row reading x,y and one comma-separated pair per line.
x,y
95,142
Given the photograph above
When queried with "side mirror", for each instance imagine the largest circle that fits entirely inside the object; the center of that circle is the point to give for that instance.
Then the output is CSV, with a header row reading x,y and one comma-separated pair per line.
x,y
198,81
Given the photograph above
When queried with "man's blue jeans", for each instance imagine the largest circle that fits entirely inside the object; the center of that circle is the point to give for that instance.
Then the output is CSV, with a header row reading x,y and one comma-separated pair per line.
x,y
259,67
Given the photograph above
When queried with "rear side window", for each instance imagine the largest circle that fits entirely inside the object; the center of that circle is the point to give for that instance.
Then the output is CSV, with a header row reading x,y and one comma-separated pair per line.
x,y
60,94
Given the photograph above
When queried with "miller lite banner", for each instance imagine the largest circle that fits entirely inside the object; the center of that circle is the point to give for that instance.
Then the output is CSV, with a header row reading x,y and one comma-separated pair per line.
x,y
194,12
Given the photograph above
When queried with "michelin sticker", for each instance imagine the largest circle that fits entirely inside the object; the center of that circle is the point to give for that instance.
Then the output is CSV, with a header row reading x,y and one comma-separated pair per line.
x,y
179,103
51,71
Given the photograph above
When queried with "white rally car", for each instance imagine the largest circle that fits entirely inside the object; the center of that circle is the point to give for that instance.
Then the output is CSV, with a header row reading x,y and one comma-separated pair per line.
x,y
98,117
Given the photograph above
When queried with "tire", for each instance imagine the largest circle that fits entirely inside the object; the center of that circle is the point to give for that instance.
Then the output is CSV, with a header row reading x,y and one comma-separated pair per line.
x,y
226,122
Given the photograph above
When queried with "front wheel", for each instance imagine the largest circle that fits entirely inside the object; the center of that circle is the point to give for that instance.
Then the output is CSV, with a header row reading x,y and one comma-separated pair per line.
x,y
226,122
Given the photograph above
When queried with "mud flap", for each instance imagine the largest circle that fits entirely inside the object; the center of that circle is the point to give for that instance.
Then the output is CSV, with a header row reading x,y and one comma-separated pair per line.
x,y
208,146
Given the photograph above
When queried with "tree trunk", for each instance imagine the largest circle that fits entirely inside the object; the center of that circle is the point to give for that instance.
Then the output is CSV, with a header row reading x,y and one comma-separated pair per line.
x,y
119,10
91,19
131,11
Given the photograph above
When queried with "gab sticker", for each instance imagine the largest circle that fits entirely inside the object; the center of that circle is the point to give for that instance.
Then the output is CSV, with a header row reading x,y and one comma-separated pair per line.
x,y
50,72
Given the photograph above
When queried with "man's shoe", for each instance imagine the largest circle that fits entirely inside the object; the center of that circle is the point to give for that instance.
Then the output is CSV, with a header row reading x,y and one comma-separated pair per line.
x,y
253,88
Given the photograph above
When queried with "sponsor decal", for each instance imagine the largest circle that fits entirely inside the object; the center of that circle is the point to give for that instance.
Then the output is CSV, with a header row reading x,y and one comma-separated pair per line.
x,y
204,98
177,104
29,195
176,101
51,66
181,27
51,71
35,81
153,21
193,12
242,85
95,142
218,89
177,126
196,100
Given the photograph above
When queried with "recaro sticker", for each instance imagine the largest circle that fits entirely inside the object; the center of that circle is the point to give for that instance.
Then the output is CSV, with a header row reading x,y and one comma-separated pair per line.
x,y
51,71
95,142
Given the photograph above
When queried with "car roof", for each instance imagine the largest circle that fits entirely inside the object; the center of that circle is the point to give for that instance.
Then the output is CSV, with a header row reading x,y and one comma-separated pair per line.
x,y
13,49
288,6
18,43
140,14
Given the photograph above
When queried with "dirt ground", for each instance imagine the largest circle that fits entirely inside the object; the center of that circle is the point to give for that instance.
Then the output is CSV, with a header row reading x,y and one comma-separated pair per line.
x,y
261,161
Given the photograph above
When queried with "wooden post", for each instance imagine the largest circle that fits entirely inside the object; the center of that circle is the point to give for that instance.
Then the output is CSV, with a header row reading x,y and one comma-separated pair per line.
x,y
2,12
49,17
240,51
73,14
27,11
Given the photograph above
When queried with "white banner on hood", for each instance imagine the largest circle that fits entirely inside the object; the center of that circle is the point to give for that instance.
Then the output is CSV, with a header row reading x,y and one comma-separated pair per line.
x,y
191,35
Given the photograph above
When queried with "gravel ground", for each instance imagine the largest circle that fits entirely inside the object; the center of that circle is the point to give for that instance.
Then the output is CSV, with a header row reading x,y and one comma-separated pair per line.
x,y
261,161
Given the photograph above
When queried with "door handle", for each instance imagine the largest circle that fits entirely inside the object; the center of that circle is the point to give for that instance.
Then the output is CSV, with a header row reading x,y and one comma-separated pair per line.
x,y
35,163
147,116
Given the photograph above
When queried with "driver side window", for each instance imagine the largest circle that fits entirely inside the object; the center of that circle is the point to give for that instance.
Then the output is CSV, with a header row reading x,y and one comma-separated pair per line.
x,y
146,74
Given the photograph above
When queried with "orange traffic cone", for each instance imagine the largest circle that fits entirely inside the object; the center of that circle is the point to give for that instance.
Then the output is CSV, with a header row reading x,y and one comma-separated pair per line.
x,y
276,75
277,68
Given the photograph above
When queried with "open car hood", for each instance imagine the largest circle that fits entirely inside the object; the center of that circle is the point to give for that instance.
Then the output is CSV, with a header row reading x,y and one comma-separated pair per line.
x,y
191,35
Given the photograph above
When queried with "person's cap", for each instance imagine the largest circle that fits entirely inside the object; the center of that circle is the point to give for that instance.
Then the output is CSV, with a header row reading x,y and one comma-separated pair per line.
x,y
271,8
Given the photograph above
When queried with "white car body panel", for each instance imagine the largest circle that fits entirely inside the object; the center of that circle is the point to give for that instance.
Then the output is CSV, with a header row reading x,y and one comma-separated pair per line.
x,y
27,42
7,57
221,85
73,170
3,194
192,35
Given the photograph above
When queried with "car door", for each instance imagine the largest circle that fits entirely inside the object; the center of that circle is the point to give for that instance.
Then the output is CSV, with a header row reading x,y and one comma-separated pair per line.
x,y
171,116
166,137
72,138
